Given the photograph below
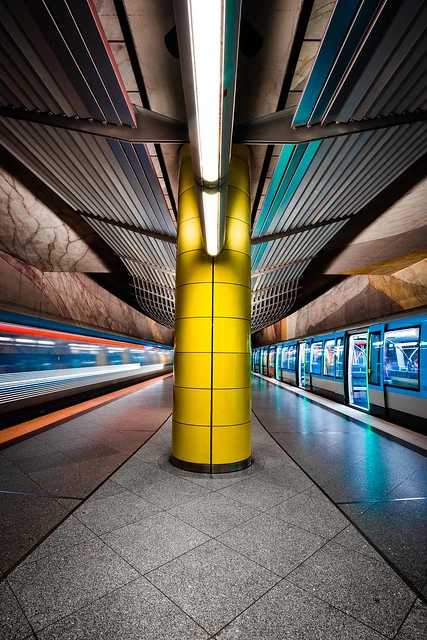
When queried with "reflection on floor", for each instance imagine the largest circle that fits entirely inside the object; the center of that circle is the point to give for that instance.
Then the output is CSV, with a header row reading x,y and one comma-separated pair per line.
x,y
157,552
379,484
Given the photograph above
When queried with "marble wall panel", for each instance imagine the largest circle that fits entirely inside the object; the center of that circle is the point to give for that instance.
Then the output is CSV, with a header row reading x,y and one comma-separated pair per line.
x,y
32,232
72,297
356,299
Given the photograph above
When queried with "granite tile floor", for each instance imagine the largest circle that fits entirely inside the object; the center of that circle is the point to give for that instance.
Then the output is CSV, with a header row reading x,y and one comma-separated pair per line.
x,y
43,478
160,553
378,483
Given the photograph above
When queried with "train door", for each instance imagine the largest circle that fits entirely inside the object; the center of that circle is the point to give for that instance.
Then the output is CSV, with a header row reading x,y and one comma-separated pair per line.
x,y
356,370
376,396
278,372
303,364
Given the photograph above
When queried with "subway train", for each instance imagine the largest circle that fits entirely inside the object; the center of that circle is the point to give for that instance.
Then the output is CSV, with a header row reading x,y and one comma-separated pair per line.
x,y
45,365
379,367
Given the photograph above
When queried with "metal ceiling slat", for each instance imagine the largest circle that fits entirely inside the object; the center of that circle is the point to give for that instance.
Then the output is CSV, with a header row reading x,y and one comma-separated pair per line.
x,y
82,58
126,243
413,36
15,96
124,205
54,156
103,190
89,183
142,185
412,72
403,156
340,174
145,206
37,91
344,176
33,163
323,173
352,40
298,208
36,144
391,158
92,31
131,209
415,94
279,181
148,169
66,58
377,48
40,53
340,21
20,95
297,247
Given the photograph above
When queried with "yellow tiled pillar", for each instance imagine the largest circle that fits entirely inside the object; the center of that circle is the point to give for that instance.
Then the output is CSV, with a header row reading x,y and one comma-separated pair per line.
x,y
211,428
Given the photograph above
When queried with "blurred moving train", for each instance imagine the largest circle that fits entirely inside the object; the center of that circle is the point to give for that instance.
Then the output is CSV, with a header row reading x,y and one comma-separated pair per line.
x,y
379,367
45,365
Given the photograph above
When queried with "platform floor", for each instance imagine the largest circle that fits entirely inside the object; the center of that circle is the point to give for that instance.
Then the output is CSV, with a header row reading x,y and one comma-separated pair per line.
x,y
261,554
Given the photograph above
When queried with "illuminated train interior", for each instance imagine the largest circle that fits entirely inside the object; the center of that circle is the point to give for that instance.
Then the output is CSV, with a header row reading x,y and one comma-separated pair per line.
x,y
380,368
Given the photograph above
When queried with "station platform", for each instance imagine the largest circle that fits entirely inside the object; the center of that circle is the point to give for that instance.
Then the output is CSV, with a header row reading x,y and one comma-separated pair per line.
x,y
320,538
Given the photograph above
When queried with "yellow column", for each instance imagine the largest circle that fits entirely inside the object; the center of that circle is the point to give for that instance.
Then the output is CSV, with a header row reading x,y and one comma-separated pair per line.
x,y
211,428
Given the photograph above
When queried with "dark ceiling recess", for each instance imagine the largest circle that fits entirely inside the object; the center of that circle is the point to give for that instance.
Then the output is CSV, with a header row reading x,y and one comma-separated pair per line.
x,y
171,42
251,40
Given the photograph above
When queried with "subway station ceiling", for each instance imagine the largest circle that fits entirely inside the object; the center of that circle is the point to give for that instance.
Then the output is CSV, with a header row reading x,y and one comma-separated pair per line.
x,y
331,98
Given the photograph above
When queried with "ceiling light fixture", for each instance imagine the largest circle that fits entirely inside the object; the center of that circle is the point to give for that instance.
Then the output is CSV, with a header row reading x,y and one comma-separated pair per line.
x,y
208,36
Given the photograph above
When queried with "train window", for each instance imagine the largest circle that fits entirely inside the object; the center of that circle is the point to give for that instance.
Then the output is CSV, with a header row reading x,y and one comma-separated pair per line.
x,y
292,357
316,357
374,371
284,361
339,357
401,358
278,361
328,358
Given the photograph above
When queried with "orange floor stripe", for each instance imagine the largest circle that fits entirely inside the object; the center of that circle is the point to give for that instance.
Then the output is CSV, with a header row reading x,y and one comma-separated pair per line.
x,y
31,427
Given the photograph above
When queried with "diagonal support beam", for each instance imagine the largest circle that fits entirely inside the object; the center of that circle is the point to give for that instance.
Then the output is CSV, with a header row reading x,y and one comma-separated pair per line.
x,y
130,227
291,232
277,128
151,126
256,274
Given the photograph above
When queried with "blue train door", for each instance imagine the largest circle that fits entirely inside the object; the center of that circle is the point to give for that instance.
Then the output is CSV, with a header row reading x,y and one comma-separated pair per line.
x,y
356,371
303,364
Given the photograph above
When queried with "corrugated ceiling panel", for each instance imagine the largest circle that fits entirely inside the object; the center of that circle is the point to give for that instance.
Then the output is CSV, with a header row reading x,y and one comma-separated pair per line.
x,y
297,247
136,246
343,175
85,171
371,61
273,303
58,59
156,301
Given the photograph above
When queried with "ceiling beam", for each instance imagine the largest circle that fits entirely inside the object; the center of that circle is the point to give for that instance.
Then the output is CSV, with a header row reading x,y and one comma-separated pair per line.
x,y
151,126
276,128
130,227
154,127
256,274
291,232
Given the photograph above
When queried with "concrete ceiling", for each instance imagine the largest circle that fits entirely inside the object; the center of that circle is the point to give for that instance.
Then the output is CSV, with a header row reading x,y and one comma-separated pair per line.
x,y
323,207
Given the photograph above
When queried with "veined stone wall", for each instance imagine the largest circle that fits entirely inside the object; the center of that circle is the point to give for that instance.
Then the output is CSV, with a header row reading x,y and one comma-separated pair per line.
x,y
72,297
356,299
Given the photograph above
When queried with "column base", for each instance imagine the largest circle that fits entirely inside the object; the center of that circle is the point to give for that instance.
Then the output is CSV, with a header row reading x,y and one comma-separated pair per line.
x,y
196,467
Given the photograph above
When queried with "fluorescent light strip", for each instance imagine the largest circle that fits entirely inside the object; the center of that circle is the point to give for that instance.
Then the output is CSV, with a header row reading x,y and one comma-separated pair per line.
x,y
207,41
211,218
